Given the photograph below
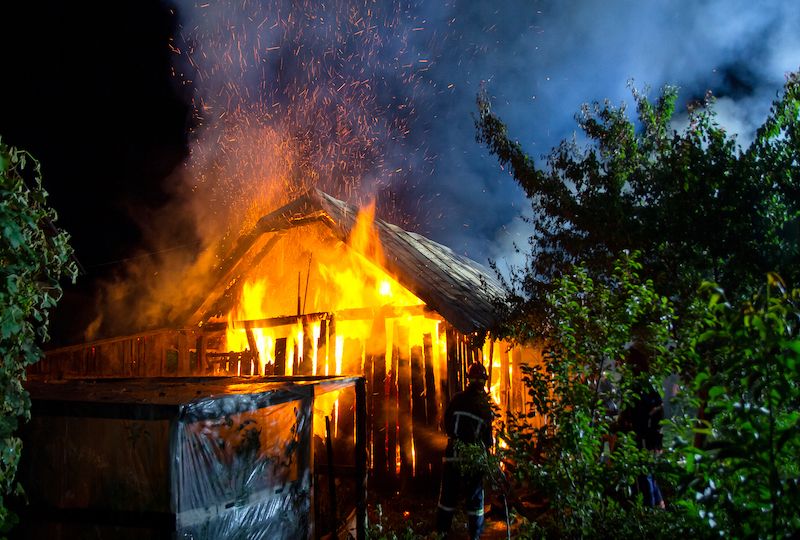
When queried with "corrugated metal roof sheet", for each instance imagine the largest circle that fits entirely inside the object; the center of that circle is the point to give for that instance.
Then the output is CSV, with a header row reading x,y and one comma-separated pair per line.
x,y
458,288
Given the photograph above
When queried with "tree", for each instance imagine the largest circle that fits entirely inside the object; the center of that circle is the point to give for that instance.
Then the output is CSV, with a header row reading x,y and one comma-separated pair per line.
x,y
34,257
703,214
693,203
744,480
584,380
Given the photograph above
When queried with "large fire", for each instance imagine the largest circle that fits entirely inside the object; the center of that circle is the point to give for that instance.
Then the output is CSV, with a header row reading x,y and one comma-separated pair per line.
x,y
337,283
316,305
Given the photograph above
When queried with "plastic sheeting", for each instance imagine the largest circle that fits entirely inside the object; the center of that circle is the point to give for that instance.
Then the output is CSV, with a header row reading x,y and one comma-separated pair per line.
x,y
195,459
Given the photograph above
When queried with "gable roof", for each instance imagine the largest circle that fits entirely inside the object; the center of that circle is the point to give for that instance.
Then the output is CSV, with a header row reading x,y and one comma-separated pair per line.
x,y
456,287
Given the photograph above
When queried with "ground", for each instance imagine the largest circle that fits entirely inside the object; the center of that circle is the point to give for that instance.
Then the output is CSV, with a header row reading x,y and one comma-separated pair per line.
x,y
397,513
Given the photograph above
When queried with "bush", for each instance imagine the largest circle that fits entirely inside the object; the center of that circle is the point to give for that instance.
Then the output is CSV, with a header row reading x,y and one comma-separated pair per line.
x,y
740,453
34,256
561,447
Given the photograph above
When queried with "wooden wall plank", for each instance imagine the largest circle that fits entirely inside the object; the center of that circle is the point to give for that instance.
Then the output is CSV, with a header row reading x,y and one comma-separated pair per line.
x,y
280,356
419,414
183,353
391,413
306,364
404,405
452,362
432,407
376,352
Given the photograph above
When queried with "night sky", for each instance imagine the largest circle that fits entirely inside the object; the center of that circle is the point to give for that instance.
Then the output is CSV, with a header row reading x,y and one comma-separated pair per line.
x,y
107,98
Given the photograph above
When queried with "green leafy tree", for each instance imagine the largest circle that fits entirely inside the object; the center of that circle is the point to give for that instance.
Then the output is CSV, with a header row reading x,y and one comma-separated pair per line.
x,y
696,205
744,481
34,256
699,209
562,447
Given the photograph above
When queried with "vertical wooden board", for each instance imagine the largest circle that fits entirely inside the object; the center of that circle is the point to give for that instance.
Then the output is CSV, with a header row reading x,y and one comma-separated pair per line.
x,y
490,367
280,356
444,391
322,349
200,365
162,344
150,358
133,351
516,380
103,362
504,383
295,356
124,352
391,416
452,362
463,361
368,376
351,348
106,355
419,417
332,346
166,346
361,460
376,347
120,349
306,362
183,353
141,356
252,365
430,381
404,404
95,361
432,408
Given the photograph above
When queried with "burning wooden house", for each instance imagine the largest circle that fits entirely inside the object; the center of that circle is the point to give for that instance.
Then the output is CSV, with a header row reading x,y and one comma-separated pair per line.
x,y
318,287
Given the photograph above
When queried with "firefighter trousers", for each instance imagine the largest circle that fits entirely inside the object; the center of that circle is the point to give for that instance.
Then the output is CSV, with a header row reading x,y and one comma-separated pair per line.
x,y
454,484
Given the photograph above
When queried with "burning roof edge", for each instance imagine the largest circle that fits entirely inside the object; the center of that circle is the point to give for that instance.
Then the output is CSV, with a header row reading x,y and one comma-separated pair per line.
x,y
461,290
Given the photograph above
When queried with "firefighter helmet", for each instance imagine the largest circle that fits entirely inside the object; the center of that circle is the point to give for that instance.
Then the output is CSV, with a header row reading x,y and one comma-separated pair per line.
x,y
477,371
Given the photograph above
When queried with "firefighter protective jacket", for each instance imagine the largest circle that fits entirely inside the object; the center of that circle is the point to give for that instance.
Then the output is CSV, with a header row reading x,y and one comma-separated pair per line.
x,y
468,417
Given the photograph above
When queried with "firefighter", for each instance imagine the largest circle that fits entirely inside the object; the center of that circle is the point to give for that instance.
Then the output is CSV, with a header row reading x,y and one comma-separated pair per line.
x,y
468,419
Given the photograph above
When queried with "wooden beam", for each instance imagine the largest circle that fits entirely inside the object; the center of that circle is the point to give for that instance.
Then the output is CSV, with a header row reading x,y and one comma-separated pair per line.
x,y
289,320
432,401
391,412
404,404
200,366
280,357
419,417
452,362
376,351
256,355
361,461
431,407
504,383
444,391
322,349
305,363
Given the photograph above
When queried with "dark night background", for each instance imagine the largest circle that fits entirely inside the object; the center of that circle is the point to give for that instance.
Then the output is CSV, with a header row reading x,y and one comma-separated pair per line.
x,y
89,90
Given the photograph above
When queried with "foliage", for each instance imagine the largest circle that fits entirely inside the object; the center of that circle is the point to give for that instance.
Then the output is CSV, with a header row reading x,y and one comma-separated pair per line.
x,y
475,460
695,205
745,479
560,448
379,530
34,256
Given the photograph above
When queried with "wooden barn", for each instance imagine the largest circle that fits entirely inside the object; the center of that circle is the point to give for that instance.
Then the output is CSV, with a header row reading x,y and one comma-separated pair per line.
x,y
319,287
